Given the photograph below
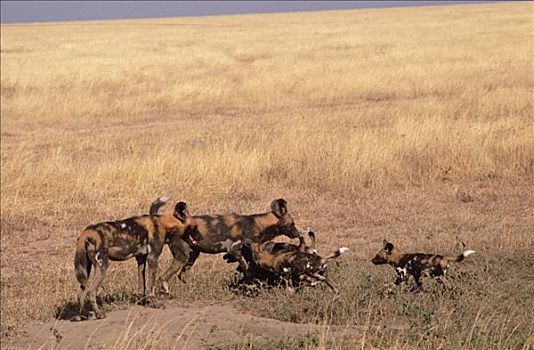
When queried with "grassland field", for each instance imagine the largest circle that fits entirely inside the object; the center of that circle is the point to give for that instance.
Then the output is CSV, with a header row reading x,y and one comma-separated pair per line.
x,y
412,124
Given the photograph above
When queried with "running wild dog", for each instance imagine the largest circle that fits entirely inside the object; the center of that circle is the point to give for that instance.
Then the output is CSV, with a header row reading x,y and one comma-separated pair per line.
x,y
141,237
415,264
294,264
216,234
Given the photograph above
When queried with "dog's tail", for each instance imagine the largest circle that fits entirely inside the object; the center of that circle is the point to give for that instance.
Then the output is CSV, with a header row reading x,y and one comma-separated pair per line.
x,y
334,254
83,262
460,257
85,251
158,203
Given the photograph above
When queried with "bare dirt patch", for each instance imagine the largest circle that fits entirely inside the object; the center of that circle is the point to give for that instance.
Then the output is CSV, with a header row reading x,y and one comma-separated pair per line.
x,y
177,327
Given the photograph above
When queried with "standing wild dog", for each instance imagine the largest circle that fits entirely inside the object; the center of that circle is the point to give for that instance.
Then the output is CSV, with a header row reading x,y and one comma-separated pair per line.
x,y
141,237
225,233
294,264
415,263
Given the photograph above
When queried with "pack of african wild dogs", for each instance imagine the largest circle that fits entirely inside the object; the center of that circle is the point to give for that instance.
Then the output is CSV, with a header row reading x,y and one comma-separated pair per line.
x,y
245,239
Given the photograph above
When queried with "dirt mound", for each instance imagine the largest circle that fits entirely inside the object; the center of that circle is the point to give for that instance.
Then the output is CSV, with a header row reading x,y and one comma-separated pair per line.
x,y
195,327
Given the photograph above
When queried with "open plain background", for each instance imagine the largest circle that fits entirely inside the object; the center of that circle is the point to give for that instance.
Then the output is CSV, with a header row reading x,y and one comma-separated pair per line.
x,y
412,124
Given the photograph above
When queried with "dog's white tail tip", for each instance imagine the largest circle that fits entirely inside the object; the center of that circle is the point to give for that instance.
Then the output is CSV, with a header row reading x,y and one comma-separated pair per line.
x,y
165,198
343,250
468,252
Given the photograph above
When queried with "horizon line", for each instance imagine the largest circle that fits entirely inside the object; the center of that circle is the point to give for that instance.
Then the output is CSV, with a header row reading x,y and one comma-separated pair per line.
x,y
79,10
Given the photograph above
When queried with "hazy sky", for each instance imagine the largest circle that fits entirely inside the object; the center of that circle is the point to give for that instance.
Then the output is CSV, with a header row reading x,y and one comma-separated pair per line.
x,y
46,11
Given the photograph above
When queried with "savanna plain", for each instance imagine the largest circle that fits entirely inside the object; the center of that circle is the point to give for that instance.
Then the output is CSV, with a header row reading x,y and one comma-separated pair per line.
x,y
414,124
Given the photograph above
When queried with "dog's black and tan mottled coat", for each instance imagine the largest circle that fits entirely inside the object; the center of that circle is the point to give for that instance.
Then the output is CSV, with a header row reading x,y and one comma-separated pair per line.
x,y
142,237
216,234
415,264
294,263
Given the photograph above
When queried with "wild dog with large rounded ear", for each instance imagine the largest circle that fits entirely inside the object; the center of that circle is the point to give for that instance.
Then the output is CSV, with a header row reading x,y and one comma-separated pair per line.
x,y
181,212
279,207
388,247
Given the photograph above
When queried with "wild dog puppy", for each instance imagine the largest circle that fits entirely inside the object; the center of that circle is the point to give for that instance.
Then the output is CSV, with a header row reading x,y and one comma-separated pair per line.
x,y
415,263
141,237
293,264
225,233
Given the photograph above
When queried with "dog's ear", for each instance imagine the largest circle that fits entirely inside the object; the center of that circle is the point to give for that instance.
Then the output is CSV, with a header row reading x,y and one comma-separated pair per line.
x,y
181,212
311,234
279,207
269,247
388,247
248,242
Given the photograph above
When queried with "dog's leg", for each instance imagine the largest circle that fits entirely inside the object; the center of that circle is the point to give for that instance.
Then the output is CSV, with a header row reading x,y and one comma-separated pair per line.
x,y
152,260
332,285
192,258
401,275
82,293
141,275
181,253
311,281
328,282
101,266
288,277
418,284
176,266
443,280
82,297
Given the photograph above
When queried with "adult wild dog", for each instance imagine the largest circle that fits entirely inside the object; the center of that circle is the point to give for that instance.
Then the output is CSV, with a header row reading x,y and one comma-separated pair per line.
x,y
257,273
294,264
141,237
303,246
279,247
225,233
415,263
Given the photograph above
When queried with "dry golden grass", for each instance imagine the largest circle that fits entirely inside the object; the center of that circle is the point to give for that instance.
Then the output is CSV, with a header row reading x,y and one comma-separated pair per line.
x,y
408,123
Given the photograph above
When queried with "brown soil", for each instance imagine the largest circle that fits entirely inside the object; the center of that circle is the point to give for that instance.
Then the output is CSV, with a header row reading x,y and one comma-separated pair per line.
x,y
193,327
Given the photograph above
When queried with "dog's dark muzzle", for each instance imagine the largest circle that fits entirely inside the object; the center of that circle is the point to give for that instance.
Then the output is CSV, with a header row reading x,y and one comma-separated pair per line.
x,y
377,260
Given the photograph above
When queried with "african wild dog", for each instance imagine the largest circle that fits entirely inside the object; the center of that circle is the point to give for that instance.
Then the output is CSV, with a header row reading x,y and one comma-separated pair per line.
x,y
415,263
259,275
294,264
279,247
141,237
303,246
224,233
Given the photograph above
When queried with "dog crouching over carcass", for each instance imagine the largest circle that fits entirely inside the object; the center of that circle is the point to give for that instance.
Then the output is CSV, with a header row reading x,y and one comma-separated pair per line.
x,y
293,264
